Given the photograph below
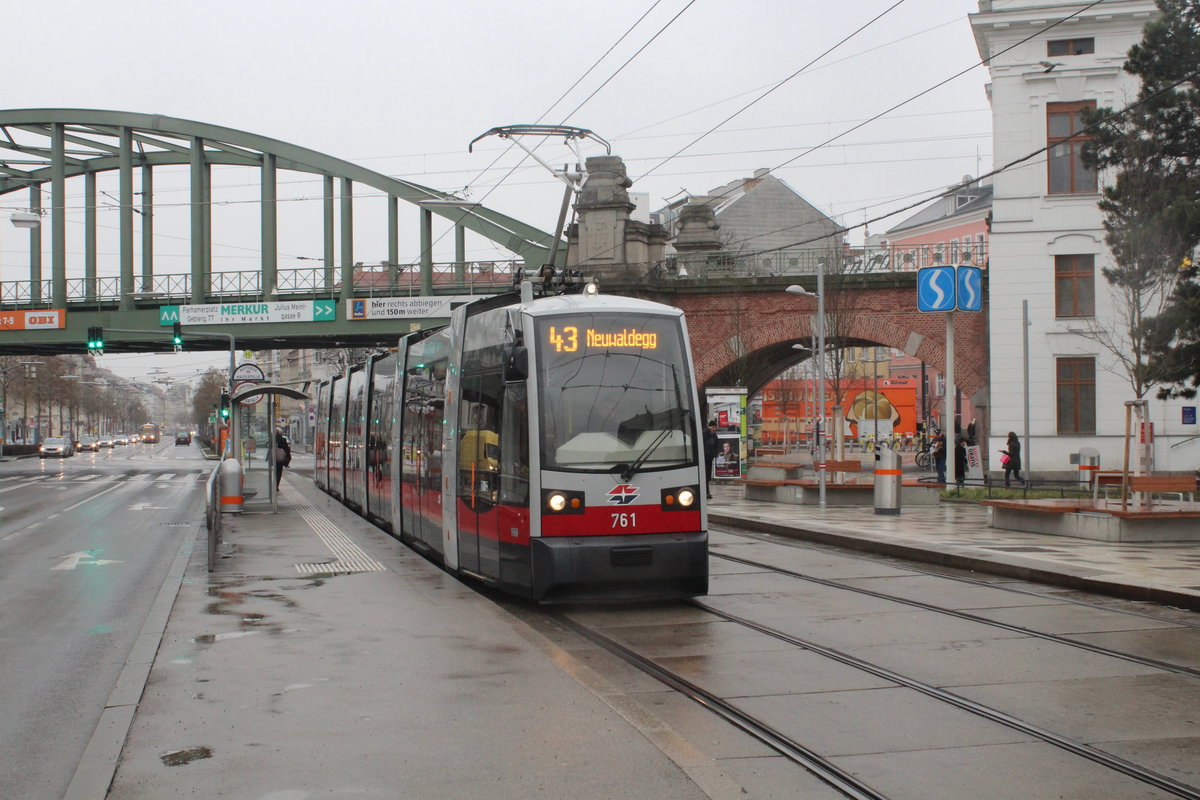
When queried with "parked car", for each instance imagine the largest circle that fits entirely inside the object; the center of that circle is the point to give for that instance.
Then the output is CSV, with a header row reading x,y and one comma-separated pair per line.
x,y
89,443
56,446
184,438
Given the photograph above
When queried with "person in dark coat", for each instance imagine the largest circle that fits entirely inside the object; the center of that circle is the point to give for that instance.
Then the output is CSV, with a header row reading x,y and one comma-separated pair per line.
x,y
283,456
960,461
711,445
1012,467
939,454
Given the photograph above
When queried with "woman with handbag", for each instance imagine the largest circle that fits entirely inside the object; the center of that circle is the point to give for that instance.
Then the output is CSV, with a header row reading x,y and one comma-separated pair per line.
x,y
283,456
1010,459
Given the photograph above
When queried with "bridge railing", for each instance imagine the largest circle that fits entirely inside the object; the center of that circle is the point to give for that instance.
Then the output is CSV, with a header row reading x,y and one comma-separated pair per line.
x,y
849,261
472,277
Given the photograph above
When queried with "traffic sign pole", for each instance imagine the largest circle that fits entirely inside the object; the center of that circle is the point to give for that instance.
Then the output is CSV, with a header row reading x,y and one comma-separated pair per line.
x,y
948,416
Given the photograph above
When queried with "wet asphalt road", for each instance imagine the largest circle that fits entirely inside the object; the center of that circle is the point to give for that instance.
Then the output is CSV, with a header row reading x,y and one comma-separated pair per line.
x,y
85,543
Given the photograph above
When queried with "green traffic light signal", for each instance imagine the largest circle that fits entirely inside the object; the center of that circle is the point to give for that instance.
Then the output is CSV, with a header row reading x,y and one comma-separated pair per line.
x,y
177,336
95,340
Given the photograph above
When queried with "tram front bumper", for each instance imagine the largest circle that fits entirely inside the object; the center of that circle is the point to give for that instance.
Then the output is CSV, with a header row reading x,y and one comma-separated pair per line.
x,y
630,567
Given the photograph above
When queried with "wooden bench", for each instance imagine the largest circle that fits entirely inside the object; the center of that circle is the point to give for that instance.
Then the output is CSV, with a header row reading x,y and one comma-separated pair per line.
x,y
1164,484
1151,484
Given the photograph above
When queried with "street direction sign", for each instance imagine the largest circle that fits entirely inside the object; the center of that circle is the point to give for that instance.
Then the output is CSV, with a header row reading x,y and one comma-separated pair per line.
x,y
969,281
935,289
249,313
360,308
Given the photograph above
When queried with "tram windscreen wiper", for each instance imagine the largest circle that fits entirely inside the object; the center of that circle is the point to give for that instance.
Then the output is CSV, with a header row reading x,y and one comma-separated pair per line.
x,y
629,470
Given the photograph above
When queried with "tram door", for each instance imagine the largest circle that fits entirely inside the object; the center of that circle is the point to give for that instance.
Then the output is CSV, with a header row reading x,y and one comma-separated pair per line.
x,y
478,479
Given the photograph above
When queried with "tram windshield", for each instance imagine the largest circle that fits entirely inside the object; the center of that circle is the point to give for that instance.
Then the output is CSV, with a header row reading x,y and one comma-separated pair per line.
x,y
615,390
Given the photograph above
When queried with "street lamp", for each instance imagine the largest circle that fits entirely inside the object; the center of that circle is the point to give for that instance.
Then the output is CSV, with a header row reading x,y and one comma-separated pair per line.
x,y
819,459
26,219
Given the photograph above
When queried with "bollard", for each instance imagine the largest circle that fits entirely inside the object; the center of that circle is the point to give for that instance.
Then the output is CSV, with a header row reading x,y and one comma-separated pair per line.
x,y
231,486
887,481
1089,465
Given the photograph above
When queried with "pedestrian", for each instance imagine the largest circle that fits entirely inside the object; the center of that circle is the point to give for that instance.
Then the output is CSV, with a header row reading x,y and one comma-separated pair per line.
x,y
710,453
960,461
939,454
283,456
1010,459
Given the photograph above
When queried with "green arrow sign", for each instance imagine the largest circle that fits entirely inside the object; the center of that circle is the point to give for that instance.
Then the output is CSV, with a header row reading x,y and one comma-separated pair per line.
x,y
248,313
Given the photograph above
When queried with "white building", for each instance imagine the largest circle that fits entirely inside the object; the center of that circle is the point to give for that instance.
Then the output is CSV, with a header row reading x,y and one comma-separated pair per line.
x,y
1047,240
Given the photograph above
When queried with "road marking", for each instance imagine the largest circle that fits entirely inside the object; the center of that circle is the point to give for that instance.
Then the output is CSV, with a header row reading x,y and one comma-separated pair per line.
x,y
20,486
147,507
85,557
93,497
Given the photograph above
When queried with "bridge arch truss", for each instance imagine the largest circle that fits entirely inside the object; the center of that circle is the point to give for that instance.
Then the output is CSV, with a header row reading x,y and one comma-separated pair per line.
x,y
40,147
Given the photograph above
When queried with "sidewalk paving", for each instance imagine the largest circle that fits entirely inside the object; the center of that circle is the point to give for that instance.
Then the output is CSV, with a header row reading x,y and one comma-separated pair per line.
x,y
273,678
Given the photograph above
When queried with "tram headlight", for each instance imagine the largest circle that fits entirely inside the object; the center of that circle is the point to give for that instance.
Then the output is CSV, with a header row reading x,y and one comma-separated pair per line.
x,y
561,501
680,498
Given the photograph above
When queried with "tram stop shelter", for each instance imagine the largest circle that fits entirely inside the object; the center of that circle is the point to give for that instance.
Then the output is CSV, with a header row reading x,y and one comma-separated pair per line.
x,y
254,440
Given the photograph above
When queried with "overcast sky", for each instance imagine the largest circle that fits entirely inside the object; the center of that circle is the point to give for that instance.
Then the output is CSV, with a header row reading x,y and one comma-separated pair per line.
x,y
403,87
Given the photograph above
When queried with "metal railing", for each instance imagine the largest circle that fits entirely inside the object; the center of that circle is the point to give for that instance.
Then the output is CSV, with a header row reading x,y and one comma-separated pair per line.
x,y
472,277
850,261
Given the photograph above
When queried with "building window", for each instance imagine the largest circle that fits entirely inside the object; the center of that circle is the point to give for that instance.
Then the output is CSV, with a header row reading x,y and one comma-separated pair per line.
x,y
1075,286
1070,47
1076,396
1067,174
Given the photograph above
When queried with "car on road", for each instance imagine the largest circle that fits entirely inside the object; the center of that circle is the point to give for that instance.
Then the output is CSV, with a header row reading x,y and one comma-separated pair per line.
x,y
184,438
89,443
105,441
57,447
121,439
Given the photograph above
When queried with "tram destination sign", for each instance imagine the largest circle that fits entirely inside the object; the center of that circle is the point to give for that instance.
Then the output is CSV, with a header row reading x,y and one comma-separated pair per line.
x,y
360,308
248,313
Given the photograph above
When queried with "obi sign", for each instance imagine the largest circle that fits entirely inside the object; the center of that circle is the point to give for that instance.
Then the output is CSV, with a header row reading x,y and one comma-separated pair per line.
x,y
33,320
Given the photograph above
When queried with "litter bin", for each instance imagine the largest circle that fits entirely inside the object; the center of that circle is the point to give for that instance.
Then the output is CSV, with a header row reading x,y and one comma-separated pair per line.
x,y
887,481
1089,465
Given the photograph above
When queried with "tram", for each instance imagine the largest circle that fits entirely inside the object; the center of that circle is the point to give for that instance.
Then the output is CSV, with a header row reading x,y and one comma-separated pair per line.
x,y
548,447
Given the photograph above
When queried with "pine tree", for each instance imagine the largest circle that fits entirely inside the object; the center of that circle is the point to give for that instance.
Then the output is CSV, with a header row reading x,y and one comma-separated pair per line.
x,y
1152,204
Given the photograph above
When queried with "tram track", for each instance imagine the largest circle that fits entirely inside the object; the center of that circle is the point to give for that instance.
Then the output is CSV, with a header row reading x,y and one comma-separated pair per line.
x,y
1081,749
907,566
773,731
791,749
807,758
1145,661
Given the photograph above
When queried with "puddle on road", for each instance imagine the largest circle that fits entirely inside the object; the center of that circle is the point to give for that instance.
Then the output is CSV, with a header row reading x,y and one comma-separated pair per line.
x,y
177,758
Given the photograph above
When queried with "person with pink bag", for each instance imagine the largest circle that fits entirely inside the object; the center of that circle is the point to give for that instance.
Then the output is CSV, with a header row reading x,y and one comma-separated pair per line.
x,y
1010,459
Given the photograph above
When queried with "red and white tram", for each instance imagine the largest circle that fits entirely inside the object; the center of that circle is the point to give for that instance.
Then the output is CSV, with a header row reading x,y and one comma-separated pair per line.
x,y
550,447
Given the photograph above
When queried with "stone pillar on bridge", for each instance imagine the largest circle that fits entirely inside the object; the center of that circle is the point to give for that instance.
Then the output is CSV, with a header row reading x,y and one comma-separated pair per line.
x,y
696,241
605,242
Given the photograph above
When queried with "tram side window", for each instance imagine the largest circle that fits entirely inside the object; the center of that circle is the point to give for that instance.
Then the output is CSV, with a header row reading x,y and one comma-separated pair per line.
x,y
514,450
479,439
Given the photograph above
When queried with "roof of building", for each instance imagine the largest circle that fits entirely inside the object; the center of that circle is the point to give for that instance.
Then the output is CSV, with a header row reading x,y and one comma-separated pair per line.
x,y
966,199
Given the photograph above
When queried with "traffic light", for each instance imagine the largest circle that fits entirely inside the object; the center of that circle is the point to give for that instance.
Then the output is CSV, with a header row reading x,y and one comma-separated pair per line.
x,y
177,337
95,340
224,404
